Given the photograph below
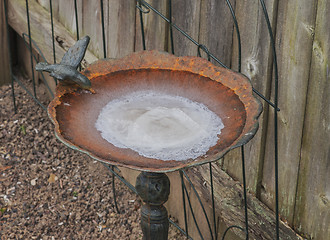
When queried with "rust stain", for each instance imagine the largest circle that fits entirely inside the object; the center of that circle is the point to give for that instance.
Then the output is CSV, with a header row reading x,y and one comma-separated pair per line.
x,y
225,92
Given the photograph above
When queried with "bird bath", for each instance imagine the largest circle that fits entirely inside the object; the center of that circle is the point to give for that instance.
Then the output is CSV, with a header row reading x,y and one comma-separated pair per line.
x,y
224,93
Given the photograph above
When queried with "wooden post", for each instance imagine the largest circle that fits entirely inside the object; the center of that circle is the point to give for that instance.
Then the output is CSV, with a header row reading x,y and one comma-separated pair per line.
x,y
4,50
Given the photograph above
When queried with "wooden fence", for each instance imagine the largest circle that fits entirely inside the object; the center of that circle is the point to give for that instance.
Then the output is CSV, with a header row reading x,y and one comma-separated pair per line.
x,y
303,46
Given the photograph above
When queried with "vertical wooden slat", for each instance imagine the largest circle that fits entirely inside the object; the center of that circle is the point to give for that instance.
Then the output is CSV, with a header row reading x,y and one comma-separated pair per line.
x,y
257,65
91,25
4,51
154,28
120,27
216,29
66,15
312,215
294,37
186,15
55,6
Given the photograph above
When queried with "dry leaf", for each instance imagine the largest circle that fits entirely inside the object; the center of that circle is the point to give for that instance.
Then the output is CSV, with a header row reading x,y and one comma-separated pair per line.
x,y
52,178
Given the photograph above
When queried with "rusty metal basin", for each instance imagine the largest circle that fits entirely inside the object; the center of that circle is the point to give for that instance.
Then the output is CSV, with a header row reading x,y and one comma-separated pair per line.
x,y
228,94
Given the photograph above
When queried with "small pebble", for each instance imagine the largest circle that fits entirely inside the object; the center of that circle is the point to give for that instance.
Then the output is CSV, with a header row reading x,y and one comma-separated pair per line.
x,y
33,182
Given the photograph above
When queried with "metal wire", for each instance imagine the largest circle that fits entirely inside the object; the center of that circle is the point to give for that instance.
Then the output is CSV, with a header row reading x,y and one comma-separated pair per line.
x,y
114,190
112,170
242,147
204,48
103,31
28,92
76,16
270,31
52,25
53,38
180,229
139,6
199,200
237,34
171,28
234,226
31,59
213,203
184,203
191,210
77,25
266,100
245,197
36,59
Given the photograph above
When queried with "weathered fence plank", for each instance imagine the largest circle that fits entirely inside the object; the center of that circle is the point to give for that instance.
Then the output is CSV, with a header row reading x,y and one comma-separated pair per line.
x,y
67,16
120,28
186,15
91,24
4,51
154,27
312,215
295,24
216,29
257,65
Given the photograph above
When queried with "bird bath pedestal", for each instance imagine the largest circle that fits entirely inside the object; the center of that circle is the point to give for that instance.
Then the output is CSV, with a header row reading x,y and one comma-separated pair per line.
x,y
228,94
154,189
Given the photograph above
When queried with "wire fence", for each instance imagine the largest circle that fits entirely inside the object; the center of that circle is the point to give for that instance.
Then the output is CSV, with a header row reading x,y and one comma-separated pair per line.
x,y
145,8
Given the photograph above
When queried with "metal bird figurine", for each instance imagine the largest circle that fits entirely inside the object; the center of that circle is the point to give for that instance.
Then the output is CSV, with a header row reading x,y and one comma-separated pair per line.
x,y
66,71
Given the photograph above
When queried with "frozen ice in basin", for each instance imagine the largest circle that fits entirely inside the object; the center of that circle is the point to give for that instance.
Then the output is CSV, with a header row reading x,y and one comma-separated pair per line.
x,y
160,126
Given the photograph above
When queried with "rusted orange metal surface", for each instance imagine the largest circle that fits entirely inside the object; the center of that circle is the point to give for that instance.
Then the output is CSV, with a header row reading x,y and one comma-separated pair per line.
x,y
229,94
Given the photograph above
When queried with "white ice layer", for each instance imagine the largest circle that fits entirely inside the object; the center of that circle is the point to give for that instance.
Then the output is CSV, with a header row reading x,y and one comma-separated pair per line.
x,y
159,126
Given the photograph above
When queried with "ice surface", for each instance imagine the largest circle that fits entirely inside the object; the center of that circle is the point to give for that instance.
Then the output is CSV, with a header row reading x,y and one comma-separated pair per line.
x,y
161,126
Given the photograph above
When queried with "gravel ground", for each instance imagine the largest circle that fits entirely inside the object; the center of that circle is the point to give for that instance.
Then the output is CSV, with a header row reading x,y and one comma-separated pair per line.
x,y
48,191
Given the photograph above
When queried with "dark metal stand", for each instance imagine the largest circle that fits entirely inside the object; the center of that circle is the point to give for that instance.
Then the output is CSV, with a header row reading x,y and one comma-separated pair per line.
x,y
154,189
